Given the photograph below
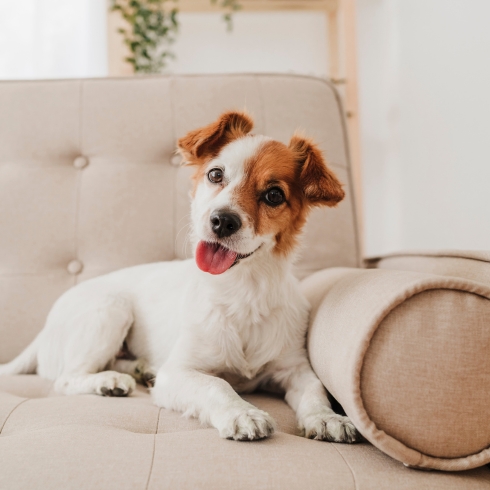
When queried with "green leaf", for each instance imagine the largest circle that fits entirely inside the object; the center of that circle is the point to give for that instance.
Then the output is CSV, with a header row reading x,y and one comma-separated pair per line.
x,y
152,26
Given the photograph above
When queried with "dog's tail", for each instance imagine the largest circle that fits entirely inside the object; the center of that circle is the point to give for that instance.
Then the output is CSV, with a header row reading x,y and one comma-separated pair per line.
x,y
24,363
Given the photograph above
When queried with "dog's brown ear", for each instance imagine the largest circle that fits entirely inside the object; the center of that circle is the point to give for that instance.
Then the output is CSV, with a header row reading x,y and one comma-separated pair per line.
x,y
202,143
319,183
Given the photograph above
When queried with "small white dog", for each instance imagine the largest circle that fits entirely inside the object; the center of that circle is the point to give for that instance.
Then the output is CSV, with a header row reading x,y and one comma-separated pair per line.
x,y
234,323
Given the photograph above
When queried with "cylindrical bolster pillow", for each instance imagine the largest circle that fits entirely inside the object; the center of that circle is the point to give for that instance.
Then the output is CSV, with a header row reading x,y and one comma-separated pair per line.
x,y
407,355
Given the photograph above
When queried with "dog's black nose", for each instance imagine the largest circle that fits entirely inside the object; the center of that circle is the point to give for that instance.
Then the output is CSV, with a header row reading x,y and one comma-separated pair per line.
x,y
225,224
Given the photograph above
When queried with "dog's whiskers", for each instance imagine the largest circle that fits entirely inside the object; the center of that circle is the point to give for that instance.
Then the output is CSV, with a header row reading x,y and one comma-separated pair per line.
x,y
186,225
186,241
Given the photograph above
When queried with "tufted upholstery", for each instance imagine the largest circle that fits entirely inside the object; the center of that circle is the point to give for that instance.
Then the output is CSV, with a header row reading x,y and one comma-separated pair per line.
x,y
87,442
89,182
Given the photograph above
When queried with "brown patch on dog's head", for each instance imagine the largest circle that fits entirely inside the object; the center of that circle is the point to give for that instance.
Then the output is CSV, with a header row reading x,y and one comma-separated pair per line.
x,y
202,144
300,172
320,185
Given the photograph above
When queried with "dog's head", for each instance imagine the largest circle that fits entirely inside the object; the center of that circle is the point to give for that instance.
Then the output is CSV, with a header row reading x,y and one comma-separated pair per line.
x,y
250,191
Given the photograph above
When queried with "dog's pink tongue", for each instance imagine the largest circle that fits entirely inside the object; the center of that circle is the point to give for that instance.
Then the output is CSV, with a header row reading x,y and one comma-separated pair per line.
x,y
213,258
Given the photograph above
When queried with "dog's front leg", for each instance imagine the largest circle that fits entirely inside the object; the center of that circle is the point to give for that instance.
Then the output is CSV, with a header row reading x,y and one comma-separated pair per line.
x,y
308,398
213,401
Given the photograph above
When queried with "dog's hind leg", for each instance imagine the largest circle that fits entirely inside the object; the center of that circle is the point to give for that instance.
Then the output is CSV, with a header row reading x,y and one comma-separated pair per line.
x,y
139,369
93,341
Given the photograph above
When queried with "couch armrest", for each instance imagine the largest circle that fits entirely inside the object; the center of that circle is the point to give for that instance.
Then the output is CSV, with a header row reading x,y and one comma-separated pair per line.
x,y
406,355
472,265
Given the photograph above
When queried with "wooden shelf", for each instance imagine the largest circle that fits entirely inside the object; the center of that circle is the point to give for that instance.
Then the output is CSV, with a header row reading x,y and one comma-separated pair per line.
x,y
262,5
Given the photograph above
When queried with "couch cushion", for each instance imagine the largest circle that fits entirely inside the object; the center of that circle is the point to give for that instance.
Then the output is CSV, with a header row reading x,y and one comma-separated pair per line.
x,y
470,264
84,442
28,403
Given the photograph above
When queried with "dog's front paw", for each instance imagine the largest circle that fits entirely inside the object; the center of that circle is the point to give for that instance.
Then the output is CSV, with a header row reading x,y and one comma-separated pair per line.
x,y
326,425
247,425
111,383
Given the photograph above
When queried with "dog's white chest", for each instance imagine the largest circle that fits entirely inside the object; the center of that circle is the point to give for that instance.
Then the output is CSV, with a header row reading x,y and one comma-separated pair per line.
x,y
234,326
241,339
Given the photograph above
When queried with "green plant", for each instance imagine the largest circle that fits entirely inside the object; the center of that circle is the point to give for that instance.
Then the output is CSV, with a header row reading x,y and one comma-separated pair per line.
x,y
229,6
152,28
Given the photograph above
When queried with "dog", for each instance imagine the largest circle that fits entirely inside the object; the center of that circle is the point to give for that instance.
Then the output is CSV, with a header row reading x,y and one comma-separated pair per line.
x,y
231,321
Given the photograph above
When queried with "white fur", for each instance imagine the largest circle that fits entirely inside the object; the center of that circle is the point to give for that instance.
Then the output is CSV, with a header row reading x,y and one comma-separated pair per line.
x,y
210,197
205,336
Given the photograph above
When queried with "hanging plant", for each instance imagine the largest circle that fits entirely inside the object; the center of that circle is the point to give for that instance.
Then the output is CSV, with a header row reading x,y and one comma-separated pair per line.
x,y
152,28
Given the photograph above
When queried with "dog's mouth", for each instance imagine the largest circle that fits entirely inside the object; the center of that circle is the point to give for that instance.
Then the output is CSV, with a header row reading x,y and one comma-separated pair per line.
x,y
216,259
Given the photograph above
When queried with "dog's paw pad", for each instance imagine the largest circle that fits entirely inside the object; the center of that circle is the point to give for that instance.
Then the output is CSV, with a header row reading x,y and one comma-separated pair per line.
x,y
114,392
329,426
143,374
248,425
148,379
114,384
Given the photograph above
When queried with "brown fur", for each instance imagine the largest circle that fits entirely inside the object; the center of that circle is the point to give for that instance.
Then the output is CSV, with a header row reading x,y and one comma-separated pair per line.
x,y
298,169
202,144
301,172
320,185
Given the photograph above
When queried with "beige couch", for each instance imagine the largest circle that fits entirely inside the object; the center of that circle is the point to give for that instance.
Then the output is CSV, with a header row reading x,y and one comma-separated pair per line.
x,y
89,183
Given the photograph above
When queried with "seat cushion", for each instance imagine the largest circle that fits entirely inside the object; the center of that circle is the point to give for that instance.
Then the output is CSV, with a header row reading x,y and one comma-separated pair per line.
x,y
84,442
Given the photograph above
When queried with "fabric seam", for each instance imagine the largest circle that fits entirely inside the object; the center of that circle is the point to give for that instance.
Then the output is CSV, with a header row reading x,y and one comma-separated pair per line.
x,y
258,84
153,453
174,186
348,466
78,183
325,81
348,167
10,413
438,256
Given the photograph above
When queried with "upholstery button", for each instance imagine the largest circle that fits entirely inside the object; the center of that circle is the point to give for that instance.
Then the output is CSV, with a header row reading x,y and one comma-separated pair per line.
x,y
80,162
176,160
75,267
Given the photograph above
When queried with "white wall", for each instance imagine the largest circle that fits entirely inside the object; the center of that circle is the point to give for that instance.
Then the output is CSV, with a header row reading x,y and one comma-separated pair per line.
x,y
286,42
52,38
425,105
445,124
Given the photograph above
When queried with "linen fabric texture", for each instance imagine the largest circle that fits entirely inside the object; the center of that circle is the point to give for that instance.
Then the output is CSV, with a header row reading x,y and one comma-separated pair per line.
x,y
406,354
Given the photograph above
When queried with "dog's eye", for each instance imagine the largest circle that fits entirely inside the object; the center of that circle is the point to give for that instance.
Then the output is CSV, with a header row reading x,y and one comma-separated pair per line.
x,y
215,175
274,197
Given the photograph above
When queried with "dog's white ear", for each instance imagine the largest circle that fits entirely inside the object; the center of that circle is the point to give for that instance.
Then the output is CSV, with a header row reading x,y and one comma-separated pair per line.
x,y
200,144
319,183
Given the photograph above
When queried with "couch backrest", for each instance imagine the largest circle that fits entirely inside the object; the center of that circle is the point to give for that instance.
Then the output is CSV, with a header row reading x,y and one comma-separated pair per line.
x,y
89,182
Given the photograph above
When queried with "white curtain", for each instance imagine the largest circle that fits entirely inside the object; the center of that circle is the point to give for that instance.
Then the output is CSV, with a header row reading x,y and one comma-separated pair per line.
x,y
53,38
